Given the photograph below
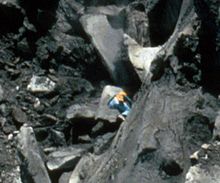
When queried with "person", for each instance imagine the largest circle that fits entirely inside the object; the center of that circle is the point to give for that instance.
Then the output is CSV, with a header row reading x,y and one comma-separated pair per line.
x,y
122,103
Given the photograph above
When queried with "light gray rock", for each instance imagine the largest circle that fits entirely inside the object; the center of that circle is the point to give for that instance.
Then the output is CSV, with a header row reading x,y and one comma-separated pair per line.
x,y
10,3
32,164
108,41
101,32
103,111
1,93
106,10
64,178
41,84
84,138
141,57
64,159
80,111
2,121
199,175
97,128
216,132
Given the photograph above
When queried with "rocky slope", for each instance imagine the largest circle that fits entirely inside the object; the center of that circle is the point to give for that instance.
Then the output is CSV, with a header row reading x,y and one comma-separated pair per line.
x,y
57,61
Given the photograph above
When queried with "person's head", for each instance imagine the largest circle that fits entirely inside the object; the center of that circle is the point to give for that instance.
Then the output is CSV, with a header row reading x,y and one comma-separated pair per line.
x,y
120,96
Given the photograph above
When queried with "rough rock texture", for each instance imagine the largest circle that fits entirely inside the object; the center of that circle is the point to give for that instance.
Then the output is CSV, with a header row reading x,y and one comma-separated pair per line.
x,y
64,159
57,57
168,122
101,31
33,168
207,157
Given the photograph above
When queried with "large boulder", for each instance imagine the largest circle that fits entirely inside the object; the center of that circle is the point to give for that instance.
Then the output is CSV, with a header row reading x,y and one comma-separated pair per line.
x,y
32,164
108,40
78,111
141,57
64,159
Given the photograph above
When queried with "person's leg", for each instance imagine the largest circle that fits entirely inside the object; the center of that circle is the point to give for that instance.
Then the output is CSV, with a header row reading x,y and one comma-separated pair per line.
x,y
126,109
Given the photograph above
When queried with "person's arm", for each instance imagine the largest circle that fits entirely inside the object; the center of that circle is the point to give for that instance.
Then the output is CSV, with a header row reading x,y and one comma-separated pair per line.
x,y
109,103
128,100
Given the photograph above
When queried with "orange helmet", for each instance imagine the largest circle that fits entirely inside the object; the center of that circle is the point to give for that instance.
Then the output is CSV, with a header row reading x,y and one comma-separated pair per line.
x,y
120,96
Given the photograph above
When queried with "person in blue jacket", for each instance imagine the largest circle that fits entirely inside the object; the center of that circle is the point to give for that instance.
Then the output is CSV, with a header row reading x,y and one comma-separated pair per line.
x,y
122,103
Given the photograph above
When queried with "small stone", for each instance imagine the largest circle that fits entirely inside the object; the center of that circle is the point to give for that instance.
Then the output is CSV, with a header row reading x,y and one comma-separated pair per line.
x,y
41,84
205,146
16,132
18,115
50,117
84,138
10,137
2,121
36,103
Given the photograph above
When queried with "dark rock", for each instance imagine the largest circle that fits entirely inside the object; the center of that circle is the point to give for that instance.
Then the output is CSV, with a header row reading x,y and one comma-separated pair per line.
x,y
171,168
162,25
23,48
50,119
57,138
69,86
102,143
11,16
31,162
19,116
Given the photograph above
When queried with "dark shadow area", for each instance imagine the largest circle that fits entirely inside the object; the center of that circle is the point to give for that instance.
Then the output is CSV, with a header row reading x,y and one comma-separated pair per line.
x,y
170,167
11,19
127,78
41,13
210,64
162,20
197,130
